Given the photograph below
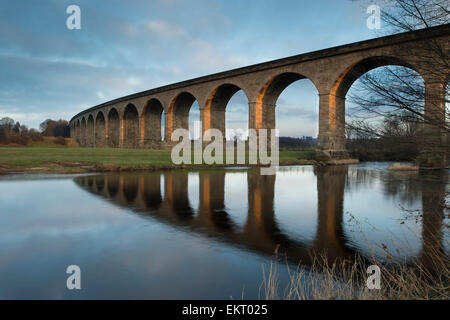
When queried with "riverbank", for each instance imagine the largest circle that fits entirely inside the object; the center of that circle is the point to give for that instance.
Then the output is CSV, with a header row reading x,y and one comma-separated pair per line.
x,y
350,280
383,272
62,159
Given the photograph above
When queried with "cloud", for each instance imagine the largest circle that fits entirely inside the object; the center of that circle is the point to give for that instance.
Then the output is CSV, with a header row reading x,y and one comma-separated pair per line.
x,y
164,29
100,95
208,59
123,48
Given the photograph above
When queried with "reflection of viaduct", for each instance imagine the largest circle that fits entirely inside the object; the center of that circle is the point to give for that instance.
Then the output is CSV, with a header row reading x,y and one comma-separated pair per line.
x,y
434,192
260,233
135,120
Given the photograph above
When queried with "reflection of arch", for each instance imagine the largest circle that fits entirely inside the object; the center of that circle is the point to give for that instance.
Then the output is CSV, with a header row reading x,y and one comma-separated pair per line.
x,y
176,194
212,200
178,116
261,213
215,107
433,185
130,127
100,183
268,96
261,222
151,191
83,132
113,185
100,130
113,128
90,131
260,234
330,187
151,124
130,188
90,181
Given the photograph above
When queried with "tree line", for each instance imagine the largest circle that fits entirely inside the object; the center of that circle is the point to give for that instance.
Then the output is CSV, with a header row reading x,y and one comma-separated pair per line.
x,y
12,132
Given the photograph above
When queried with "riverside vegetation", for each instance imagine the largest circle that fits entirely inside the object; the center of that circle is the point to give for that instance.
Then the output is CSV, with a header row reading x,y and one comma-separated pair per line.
x,y
50,155
425,277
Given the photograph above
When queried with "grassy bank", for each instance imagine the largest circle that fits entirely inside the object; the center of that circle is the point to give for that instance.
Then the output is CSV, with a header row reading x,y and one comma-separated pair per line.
x,y
69,159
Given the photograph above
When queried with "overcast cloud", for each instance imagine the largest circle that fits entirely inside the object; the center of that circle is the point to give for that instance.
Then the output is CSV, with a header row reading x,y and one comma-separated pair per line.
x,y
123,47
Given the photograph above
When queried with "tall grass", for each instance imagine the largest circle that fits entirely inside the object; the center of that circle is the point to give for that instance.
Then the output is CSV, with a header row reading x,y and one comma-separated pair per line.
x,y
347,281
421,278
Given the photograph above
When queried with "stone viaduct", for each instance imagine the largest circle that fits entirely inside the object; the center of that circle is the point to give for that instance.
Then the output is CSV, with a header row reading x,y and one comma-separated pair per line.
x,y
135,121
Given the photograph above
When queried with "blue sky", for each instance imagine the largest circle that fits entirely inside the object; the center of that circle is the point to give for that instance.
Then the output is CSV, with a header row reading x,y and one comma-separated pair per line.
x,y
49,71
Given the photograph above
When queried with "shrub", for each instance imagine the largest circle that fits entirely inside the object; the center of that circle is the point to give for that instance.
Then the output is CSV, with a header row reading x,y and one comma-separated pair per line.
x,y
17,138
36,136
4,136
60,140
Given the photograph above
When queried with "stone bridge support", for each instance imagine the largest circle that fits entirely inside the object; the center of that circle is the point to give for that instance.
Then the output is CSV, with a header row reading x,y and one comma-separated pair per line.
x,y
435,148
331,138
151,125
113,129
100,131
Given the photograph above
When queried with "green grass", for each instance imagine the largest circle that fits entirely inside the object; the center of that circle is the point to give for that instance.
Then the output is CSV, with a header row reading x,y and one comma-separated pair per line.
x,y
70,159
36,156
293,156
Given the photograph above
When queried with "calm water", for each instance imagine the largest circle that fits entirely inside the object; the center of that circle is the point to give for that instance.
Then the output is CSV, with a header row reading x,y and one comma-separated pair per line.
x,y
205,234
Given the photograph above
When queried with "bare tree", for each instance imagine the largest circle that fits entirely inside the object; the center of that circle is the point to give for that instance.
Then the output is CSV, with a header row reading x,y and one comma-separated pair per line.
x,y
59,128
391,98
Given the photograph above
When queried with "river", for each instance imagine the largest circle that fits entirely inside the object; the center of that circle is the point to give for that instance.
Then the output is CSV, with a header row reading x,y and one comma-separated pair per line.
x,y
206,234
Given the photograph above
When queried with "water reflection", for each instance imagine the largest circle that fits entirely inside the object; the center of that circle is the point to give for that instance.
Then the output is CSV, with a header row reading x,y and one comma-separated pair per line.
x,y
330,188
205,234
166,197
434,192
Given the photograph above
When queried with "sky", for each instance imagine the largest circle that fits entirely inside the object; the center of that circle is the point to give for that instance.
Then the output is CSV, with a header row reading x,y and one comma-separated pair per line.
x,y
123,47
